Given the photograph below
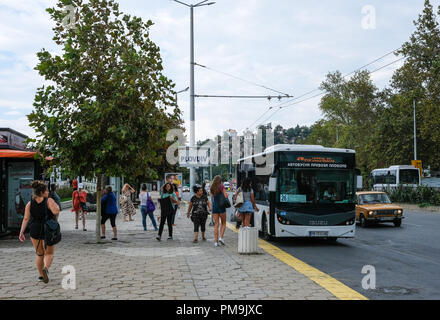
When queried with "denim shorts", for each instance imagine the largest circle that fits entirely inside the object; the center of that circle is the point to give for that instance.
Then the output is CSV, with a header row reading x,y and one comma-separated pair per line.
x,y
246,207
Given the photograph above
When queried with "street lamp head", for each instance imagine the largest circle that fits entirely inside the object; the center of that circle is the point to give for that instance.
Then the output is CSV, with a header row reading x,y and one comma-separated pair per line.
x,y
200,4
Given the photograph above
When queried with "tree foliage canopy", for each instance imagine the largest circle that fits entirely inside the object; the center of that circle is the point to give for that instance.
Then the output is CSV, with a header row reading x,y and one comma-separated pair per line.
x,y
378,124
107,105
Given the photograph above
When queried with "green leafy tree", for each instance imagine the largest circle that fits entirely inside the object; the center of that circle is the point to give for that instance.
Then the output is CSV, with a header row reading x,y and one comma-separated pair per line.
x,y
107,105
350,110
419,79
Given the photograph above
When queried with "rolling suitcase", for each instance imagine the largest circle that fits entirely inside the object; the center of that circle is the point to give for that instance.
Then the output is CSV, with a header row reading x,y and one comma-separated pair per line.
x,y
247,240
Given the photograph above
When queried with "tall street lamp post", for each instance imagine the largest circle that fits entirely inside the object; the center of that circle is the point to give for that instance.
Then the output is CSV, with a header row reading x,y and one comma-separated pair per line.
x,y
192,94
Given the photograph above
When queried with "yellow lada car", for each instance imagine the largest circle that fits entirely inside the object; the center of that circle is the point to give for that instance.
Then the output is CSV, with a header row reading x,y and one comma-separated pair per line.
x,y
375,207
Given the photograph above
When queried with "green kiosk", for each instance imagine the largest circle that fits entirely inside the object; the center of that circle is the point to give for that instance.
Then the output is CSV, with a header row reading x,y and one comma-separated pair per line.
x,y
18,169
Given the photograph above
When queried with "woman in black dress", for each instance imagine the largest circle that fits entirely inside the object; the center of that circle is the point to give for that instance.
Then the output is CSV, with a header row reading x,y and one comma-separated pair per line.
x,y
36,212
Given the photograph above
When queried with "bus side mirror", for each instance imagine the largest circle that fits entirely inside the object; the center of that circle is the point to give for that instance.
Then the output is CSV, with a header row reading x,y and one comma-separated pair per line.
x,y
359,181
272,184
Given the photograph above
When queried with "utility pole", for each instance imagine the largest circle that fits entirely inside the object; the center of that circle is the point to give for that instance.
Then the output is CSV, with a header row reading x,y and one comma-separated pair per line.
x,y
415,131
192,177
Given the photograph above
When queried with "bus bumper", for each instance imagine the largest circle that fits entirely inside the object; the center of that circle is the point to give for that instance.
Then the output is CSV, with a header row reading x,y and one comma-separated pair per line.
x,y
316,232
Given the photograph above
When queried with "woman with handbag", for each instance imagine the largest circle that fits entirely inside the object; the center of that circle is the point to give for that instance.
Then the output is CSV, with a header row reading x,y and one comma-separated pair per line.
x,y
248,206
79,203
219,204
166,210
146,208
37,209
198,210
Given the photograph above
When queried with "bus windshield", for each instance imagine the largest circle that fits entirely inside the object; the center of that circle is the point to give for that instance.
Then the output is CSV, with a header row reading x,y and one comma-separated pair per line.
x,y
409,176
315,186
384,177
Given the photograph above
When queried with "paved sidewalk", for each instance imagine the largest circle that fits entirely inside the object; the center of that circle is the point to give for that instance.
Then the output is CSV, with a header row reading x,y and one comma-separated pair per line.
x,y
139,267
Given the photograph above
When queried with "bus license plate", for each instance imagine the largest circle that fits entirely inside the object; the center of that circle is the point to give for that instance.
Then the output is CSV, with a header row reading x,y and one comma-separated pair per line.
x,y
318,233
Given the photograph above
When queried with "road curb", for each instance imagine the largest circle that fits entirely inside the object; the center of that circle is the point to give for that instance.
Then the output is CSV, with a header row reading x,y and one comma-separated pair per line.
x,y
416,207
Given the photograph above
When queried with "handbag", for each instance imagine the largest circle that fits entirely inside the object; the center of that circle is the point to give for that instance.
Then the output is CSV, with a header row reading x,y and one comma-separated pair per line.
x,y
239,200
52,230
224,202
122,199
150,205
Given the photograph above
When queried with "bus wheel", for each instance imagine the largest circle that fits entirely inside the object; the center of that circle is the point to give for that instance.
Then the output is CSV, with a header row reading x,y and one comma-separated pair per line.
x,y
397,223
363,222
265,232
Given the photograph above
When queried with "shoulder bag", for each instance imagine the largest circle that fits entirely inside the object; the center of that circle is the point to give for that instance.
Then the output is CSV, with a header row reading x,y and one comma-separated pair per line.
x,y
223,202
150,204
52,230
239,200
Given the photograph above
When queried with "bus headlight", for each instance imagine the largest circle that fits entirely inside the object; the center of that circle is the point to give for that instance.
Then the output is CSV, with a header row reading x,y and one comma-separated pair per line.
x,y
371,213
399,212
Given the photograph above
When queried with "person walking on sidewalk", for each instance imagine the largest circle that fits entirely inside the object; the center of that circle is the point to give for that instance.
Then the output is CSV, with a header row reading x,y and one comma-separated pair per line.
x,y
198,210
176,206
166,210
247,209
109,210
144,197
75,184
54,195
79,201
217,192
127,207
36,212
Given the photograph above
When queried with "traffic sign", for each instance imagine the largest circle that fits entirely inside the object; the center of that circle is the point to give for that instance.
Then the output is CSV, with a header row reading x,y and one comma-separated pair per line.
x,y
194,157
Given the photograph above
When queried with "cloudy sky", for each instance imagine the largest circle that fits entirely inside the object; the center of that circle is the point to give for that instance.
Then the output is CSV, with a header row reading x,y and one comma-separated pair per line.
x,y
287,45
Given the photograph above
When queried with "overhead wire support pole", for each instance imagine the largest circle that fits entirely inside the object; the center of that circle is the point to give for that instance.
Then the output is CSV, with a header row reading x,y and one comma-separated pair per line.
x,y
192,85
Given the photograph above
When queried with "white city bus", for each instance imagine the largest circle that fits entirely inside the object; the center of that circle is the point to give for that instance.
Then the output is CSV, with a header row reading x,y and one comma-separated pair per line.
x,y
309,191
392,177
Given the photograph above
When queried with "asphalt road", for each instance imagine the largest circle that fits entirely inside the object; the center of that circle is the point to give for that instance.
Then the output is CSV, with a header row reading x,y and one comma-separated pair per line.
x,y
406,259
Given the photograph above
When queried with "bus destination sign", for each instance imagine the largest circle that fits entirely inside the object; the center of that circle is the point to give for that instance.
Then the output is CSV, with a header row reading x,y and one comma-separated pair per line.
x,y
318,162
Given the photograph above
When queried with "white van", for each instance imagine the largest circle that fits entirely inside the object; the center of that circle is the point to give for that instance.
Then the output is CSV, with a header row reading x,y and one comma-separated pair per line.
x,y
394,176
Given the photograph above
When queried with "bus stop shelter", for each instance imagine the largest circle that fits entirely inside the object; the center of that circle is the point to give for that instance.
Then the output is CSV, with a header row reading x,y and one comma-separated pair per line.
x,y
17,171
18,168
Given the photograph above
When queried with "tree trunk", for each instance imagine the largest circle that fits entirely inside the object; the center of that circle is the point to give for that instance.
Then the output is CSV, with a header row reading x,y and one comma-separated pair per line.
x,y
98,208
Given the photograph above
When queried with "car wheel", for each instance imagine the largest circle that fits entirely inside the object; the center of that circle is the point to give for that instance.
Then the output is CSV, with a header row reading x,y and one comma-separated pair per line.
x,y
363,222
397,223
